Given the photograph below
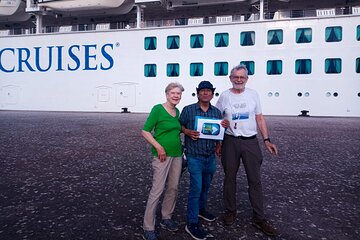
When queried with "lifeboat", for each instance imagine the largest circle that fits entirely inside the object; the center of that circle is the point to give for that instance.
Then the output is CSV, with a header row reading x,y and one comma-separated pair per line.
x,y
8,8
76,5
13,11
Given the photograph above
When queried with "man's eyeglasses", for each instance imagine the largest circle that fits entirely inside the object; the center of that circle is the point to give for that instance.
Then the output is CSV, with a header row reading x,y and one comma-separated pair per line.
x,y
238,77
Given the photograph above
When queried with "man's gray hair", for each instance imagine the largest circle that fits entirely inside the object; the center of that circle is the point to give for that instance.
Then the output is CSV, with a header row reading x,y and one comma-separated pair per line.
x,y
239,67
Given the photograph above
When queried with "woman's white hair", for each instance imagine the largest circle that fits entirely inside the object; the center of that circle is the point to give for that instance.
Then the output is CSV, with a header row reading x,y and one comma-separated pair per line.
x,y
173,85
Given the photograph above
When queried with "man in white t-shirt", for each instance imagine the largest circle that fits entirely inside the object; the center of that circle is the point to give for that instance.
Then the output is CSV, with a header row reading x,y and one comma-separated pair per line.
x,y
241,106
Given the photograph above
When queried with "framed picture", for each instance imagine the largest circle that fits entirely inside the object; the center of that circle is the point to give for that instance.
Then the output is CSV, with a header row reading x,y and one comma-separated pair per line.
x,y
209,128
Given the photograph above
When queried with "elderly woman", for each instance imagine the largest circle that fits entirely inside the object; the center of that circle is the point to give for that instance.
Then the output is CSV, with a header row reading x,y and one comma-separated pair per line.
x,y
167,161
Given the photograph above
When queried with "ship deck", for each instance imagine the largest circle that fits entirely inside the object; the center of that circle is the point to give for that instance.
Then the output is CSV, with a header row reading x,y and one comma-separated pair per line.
x,y
88,175
64,18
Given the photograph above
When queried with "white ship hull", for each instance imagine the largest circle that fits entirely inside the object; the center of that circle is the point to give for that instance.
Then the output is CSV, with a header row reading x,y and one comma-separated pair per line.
x,y
104,71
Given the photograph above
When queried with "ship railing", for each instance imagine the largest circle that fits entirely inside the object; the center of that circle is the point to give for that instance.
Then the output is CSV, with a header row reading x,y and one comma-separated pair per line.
x,y
328,12
286,14
18,31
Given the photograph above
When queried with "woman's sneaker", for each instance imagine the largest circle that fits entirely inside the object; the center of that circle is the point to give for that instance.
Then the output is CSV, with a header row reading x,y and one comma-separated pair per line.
x,y
150,235
169,225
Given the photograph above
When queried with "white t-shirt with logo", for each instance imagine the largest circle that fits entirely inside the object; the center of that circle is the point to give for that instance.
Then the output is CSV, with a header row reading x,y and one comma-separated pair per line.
x,y
240,110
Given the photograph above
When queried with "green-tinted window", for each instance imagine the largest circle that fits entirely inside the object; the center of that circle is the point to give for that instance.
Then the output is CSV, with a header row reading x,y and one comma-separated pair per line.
x,y
303,66
221,68
173,42
274,67
150,70
358,33
275,37
358,65
196,69
150,43
173,70
333,34
247,38
197,41
333,65
221,39
303,35
250,65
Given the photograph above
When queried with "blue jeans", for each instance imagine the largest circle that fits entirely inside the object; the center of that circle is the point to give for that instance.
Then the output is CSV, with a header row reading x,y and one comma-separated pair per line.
x,y
201,171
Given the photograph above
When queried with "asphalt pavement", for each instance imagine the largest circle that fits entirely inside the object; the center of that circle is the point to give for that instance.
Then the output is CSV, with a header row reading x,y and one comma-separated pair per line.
x,y
87,176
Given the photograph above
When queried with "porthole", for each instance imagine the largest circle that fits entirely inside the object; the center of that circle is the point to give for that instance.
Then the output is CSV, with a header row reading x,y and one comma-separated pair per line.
x,y
270,94
359,94
328,94
307,94
277,94
299,94
216,94
335,94
193,94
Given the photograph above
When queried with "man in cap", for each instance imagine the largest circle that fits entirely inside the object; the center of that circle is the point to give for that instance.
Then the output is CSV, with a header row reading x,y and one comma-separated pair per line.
x,y
200,154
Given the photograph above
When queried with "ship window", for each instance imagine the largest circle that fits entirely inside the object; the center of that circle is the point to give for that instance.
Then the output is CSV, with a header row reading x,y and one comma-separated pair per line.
x,y
303,35
173,42
250,65
303,66
197,41
274,67
196,69
333,34
173,70
221,39
358,33
150,43
358,65
221,69
247,38
275,37
150,70
333,65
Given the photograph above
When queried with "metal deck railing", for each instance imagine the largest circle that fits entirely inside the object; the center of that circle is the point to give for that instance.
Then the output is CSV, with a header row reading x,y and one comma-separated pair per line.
x,y
332,12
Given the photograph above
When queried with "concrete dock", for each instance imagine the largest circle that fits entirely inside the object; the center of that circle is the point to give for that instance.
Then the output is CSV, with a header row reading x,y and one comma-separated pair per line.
x,y
88,175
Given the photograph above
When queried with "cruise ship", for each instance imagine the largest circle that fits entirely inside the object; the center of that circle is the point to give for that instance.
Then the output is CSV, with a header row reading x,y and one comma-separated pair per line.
x,y
303,56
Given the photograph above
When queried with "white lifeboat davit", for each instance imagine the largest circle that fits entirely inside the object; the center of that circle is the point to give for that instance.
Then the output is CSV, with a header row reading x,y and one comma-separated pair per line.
x,y
9,7
76,5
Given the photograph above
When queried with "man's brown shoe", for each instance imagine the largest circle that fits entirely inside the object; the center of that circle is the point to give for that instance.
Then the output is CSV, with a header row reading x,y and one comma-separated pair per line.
x,y
229,218
265,227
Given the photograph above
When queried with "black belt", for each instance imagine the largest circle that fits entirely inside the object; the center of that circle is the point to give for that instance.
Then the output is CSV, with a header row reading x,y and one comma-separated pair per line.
x,y
242,137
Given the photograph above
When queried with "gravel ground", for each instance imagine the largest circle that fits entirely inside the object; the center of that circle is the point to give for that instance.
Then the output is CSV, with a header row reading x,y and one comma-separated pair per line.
x,y
88,175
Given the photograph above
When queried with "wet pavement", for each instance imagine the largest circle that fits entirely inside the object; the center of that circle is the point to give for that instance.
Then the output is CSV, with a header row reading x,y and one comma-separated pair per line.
x,y
88,175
